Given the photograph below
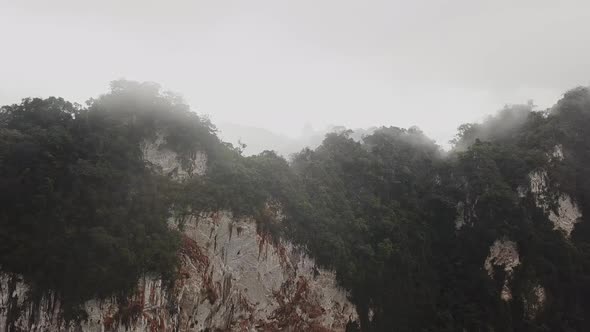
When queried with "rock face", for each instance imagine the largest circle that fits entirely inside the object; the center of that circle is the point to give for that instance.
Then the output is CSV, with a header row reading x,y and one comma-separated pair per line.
x,y
232,278
534,301
563,213
158,154
557,153
263,284
503,253
566,213
562,210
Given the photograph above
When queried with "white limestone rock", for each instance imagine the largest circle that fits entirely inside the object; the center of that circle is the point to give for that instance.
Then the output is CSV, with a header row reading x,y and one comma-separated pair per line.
x,y
158,154
232,278
503,253
567,214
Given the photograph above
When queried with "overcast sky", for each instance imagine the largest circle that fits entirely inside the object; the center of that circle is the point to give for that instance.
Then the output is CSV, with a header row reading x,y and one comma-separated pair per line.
x,y
278,64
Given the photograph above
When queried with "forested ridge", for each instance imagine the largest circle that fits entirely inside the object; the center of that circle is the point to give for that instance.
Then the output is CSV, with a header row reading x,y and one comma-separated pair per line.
x,y
406,225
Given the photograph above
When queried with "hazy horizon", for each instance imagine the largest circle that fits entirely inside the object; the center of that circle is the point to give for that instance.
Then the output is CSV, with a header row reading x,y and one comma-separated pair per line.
x,y
279,65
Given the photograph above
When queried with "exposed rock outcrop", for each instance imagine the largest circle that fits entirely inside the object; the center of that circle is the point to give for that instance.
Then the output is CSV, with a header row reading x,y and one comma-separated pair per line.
x,y
503,253
232,278
534,301
557,153
160,155
562,211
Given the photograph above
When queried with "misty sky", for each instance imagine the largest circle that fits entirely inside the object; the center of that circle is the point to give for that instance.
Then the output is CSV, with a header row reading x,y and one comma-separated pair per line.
x,y
278,64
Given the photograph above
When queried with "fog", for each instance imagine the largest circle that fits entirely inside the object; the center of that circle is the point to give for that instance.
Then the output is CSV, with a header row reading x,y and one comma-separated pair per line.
x,y
278,65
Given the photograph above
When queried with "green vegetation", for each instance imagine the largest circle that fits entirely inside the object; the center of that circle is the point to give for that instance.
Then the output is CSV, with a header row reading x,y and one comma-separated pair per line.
x,y
84,215
390,232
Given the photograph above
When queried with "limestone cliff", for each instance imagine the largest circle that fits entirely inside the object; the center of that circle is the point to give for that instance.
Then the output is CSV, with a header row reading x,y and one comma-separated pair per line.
x,y
565,214
503,253
156,152
233,277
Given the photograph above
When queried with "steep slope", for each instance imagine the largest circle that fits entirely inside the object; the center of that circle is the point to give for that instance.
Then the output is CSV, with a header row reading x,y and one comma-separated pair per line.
x,y
231,278
231,269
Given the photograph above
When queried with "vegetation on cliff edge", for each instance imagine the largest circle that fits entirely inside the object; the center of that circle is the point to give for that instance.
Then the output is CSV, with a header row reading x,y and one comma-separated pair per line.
x,y
83,214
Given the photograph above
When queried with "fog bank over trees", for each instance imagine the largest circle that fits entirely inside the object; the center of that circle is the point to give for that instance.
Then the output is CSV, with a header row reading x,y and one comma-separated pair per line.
x,y
257,140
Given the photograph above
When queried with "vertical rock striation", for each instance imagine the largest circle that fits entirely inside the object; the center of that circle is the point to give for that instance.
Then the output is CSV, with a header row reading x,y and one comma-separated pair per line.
x,y
561,209
232,278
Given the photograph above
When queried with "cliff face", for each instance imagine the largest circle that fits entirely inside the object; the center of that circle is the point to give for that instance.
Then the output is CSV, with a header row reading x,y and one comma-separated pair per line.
x,y
565,214
160,155
503,253
232,277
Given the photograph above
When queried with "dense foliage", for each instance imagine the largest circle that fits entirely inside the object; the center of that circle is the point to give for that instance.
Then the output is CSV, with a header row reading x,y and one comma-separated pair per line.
x,y
84,214
389,226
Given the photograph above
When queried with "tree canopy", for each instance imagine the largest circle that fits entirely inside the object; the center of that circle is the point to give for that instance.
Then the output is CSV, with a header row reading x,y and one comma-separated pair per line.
x,y
83,213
